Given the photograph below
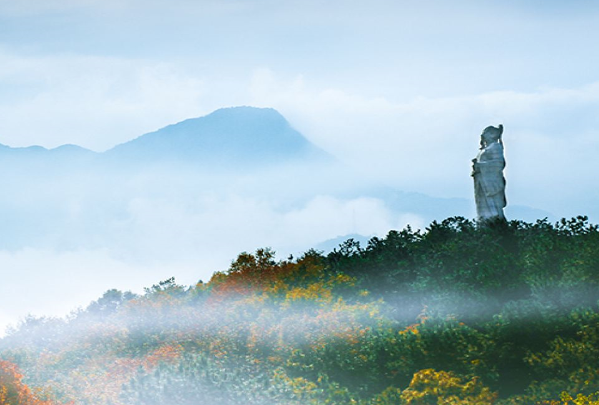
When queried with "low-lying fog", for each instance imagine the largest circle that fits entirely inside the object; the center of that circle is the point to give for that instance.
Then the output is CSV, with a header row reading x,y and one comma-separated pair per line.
x,y
77,223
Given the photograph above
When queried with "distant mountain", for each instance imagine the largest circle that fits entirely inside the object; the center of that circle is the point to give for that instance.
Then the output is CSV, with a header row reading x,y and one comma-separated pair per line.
x,y
233,138
239,148
37,160
331,244
237,135
431,208
37,151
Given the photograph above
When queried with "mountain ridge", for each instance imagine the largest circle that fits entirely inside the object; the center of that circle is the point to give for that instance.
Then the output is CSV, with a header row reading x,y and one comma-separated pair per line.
x,y
233,135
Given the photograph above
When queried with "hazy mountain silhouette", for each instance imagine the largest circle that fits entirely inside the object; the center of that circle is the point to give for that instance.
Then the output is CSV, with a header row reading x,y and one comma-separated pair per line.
x,y
233,137
40,151
237,135
214,173
37,161
329,245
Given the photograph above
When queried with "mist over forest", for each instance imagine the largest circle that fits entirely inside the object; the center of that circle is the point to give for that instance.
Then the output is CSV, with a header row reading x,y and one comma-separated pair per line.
x,y
185,199
385,297
499,314
226,202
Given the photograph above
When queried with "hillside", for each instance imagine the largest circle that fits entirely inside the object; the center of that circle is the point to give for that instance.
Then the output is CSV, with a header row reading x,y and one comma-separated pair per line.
x,y
459,314
239,135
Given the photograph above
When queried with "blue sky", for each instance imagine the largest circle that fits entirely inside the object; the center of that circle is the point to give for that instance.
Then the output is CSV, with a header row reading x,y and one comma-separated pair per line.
x,y
400,90
98,73
393,49
65,62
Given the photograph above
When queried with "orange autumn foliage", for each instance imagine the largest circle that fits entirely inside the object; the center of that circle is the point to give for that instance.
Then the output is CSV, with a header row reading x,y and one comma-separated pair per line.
x,y
12,389
260,273
165,354
249,273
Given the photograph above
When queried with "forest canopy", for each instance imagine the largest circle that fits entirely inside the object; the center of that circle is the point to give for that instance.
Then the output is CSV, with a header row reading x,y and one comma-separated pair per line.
x,y
456,313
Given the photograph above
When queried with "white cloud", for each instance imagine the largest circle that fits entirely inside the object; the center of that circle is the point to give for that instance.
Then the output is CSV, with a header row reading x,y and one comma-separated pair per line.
x,y
423,145
44,282
426,144
226,225
160,237
95,102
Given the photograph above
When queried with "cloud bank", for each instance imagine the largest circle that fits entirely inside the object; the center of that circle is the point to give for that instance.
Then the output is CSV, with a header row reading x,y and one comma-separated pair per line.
x,y
426,144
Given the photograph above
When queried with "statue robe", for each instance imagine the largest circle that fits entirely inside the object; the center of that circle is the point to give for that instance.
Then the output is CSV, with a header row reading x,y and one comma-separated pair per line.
x,y
489,183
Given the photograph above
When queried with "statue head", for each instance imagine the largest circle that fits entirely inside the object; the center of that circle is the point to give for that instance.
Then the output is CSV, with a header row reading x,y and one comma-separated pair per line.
x,y
491,134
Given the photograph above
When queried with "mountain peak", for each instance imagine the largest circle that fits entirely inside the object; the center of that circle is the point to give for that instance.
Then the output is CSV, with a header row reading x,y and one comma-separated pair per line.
x,y
229,135
248,111
234,137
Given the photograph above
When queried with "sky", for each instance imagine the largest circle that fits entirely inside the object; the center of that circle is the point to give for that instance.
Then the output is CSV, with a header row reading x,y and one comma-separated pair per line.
x,y
399,90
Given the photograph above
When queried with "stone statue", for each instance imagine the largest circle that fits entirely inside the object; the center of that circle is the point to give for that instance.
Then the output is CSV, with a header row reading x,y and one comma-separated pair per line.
x,y
487,170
